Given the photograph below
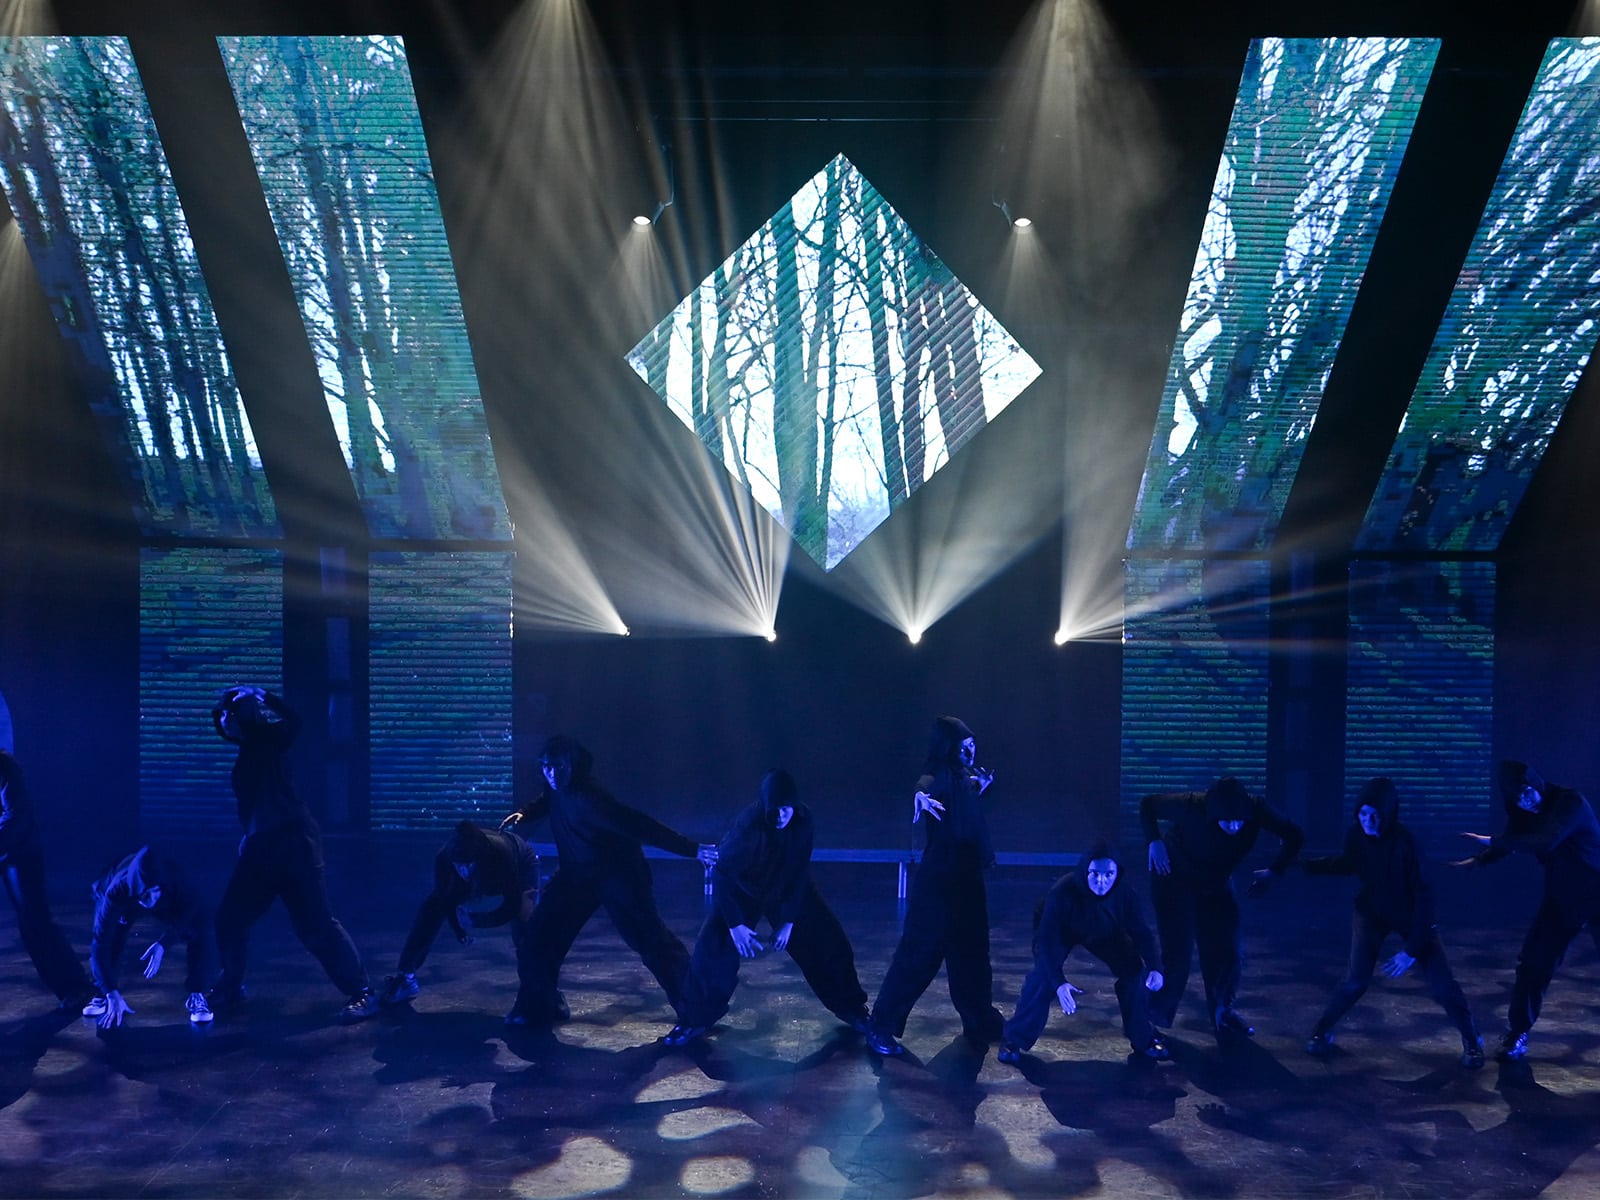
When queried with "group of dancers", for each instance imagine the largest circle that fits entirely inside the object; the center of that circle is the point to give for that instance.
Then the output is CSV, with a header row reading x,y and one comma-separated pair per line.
x,y
761,871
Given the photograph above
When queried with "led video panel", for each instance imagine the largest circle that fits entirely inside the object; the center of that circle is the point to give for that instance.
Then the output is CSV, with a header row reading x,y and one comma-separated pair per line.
x,y
439,629
89,184
209,618
833,363
1194,676
1419,700
1516,335
338,143
1318,131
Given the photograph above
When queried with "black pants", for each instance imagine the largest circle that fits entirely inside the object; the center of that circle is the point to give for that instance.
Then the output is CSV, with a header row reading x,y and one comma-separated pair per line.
x,y
53,956
1190,919
284,863
947,921
431,916
1554,926
1366,939
568,901
817,944
1033,1005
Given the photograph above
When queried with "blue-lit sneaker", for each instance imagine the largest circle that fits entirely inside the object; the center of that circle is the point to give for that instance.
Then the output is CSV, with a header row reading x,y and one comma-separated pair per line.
x,y
1513,1046
1008,1053
397,989
96,1007
359,1007
199,1011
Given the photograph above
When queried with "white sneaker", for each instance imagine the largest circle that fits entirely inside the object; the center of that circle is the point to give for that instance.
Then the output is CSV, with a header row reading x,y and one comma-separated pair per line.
x,y
199,1011
95,1008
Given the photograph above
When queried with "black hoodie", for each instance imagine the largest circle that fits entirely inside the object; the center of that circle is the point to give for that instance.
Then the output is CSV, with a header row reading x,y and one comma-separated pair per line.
x,y
266,798
506,869
1394,891
1072,915
762,869
117,907
592,829
1202,855
19,835
960,838
1563,834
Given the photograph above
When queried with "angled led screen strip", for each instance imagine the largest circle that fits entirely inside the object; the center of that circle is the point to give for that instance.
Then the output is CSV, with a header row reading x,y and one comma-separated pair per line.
x,y
333,125
1194,677
209,618
1318,132
440,713
88,181
833,363
1516,335
1419,697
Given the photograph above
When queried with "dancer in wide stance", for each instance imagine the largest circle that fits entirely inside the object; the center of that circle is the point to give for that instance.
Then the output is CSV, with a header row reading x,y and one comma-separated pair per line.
x,y
1394,898
599,843
764,871
1090,907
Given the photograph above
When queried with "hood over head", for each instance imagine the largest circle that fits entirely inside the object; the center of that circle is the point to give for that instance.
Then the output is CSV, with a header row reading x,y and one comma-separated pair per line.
x,y
1514,776
944,743
1381,794
469,843
1101,849
1228,800
778,790
563,749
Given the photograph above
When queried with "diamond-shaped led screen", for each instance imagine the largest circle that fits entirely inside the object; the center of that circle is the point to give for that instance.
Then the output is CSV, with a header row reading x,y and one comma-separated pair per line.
x,y
833,363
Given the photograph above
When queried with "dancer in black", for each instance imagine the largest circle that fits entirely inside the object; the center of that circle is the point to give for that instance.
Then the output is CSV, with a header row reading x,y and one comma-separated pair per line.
x,y
148,882
763,870
599,843
475,864
1394,898
1557,826
947,915
1088,908
280,856
1208,834
22,870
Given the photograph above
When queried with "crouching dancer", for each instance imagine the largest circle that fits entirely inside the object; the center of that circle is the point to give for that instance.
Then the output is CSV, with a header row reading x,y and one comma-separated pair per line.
x,y
1394,898
475,864
147,882
764,870
1089,908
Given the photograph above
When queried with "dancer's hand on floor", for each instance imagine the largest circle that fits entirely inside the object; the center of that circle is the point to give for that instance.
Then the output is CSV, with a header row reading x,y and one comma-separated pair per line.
x,y
744,938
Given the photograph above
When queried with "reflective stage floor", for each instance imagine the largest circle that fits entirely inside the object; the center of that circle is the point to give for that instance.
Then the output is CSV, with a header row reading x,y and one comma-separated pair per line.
x,y
437,1098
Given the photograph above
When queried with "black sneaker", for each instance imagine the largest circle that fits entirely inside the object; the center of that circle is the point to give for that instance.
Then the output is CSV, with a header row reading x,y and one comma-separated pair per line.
x,y
1472,1052
883,1043
1231,1024
199,1011
1319,1044
1513,1046
1157,1051
682,1035
1008,1053
359,1007
397,989
861,1022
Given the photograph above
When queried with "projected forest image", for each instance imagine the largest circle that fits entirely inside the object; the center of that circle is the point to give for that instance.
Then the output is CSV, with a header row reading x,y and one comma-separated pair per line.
x,y
89,184
1318,131
833,363
1518,332
338,143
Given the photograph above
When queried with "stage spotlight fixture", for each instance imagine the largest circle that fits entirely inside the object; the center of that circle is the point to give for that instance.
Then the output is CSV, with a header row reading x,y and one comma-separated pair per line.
x,y
1062,637
1014,222
771,635
643,222
913,636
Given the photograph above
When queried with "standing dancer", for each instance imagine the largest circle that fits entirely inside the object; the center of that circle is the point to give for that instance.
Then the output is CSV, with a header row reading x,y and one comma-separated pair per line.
x,y
763,870
1394,898
22,870
1208,835
947,916
1087,908
599,843
1557,826
148,882
280,856
475,864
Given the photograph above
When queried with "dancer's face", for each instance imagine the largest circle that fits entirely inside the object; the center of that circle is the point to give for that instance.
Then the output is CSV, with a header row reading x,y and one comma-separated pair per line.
x,y
1371,821
1101,875
785,815
968,753
1231,828
150,897
1529,799
557,773
464,869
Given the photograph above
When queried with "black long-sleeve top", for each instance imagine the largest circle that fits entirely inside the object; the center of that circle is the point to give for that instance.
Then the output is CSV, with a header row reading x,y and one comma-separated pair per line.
x,y
1395,892
762,869
507,869
261,785
19,833
595,831
1202,855
117,908
1563,835
959,838
1074,916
